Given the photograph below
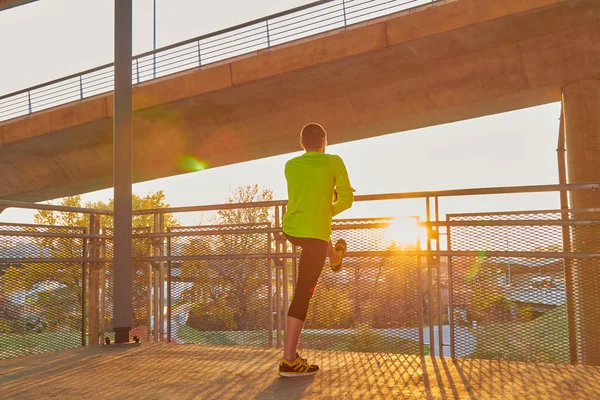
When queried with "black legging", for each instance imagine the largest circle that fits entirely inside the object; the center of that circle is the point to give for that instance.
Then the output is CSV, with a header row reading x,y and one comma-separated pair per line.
x,y
312,260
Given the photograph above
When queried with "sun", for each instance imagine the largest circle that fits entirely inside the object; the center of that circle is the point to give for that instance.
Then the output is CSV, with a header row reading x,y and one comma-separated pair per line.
x,y
403,231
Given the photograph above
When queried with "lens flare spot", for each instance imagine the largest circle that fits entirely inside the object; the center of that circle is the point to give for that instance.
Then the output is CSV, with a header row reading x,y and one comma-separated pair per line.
x,y
191,164
403,231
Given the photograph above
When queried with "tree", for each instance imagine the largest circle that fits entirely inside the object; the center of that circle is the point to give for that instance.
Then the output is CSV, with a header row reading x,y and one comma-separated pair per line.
x,y
231,293
55,289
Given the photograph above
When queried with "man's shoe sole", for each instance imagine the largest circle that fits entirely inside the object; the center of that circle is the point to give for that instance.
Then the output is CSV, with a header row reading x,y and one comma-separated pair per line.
x,y
296,374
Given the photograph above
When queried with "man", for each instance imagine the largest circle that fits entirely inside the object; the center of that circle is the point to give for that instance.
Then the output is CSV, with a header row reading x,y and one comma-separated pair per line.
x,y
312,179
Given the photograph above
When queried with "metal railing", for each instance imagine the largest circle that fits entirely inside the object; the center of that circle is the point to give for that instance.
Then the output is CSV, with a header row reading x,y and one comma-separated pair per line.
x,y
196,53
480,284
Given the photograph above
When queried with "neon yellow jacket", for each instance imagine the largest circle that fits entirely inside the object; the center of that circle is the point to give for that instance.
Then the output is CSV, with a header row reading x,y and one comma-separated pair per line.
x,y
311,180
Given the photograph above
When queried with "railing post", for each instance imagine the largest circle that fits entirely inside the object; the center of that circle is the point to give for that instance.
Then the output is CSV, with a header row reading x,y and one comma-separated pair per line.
x,y
29,101
162,278
102,282
93,283
430,295
137,70
286,278
149,251
268,37
169,267
344,9
450,293
199,56
566,242
84,267
270,291
278,280
80,88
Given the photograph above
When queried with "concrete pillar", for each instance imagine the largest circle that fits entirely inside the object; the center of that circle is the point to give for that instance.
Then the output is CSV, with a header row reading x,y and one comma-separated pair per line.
x,y
581,105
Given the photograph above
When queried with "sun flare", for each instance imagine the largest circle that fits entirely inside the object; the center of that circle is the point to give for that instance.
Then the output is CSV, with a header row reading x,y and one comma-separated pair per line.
x,y
403,231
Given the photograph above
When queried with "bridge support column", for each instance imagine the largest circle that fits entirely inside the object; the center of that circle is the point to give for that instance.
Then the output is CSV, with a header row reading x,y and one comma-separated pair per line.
x,y
581,105
122,171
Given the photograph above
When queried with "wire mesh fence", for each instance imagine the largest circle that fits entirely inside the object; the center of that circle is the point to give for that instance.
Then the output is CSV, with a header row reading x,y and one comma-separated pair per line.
x,y
145,287
499,285
216,298
372,304
40,298
516,307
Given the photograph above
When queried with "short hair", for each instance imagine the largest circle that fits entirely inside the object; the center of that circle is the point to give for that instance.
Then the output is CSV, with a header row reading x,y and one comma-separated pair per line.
x,y
312,136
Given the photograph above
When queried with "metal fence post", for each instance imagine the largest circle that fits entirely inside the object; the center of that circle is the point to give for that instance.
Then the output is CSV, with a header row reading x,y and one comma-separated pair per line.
x,y
199,56
93,284
268,37
286,278
102,282
149,251
169,271
566,242
84,267
270,291
344,8
430,296
29,101
278,280
450,293
137,70
80,88
161,264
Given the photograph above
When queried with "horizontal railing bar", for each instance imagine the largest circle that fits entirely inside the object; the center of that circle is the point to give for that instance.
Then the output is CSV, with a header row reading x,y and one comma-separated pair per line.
x,y
266,224
47,260
151,52
372,197
313,28
254,25
41,226
491,222
53,235
383,254
250,231
215,39
481,191
14,101
355,254
51,207
382,197
314,20
275,23
555,211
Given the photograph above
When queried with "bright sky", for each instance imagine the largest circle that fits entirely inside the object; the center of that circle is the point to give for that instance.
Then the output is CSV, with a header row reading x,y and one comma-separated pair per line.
x,y
54,38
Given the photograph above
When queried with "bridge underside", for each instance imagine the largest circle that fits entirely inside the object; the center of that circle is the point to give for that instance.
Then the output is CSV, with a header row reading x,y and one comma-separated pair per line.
x,y
456,61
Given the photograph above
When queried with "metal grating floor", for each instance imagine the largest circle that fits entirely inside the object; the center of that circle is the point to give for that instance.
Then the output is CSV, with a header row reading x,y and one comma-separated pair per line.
x,y
169,371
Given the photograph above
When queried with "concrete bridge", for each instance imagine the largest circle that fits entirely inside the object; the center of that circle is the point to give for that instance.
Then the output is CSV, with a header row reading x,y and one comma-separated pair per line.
x,y
430,65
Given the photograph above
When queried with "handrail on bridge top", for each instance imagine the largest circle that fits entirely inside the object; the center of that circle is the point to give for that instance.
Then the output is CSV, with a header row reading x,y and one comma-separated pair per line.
x,y
5,204
171,46
265,32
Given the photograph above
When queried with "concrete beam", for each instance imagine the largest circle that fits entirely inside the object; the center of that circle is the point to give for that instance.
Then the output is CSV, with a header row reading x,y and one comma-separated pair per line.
x,y
459,60
6,4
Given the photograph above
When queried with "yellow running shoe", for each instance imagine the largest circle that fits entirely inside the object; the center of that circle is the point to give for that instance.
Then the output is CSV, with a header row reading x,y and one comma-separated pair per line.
x,y
300,367
340,248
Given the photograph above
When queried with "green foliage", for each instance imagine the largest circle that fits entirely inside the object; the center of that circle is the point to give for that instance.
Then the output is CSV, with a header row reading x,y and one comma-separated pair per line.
x,y
330,308
22,344
230,294
544,339
362,339
56,288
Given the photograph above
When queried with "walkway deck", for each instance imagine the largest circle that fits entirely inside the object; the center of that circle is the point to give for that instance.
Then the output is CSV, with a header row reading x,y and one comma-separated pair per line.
x,y
165,371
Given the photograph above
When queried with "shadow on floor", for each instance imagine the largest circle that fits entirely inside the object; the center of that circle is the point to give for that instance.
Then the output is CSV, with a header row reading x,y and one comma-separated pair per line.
x,y
169,371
